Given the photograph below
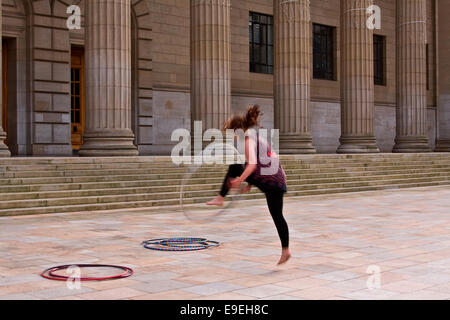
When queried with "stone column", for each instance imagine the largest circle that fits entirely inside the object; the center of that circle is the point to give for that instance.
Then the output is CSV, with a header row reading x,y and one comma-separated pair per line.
x,y
292,81
4,152
443,141
412,130
210,62
357,79
108,79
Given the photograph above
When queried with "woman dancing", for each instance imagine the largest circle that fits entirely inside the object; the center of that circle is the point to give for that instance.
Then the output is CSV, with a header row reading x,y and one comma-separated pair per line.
x,y
272,185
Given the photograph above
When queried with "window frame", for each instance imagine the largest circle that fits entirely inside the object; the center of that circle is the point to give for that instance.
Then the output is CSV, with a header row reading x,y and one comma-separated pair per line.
x,y
379,80
329,72
266,28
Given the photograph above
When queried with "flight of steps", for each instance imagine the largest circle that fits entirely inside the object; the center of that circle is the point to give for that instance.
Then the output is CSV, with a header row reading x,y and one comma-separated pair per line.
x,y
55,185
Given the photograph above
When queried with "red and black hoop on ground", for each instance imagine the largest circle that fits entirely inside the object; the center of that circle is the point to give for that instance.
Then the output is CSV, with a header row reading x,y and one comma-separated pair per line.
x,y
52,273
180,244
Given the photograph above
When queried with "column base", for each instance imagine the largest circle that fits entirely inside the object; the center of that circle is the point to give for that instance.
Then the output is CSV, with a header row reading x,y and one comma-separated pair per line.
x,y
442,145
108,143
4,151
411,145
296,144
358,145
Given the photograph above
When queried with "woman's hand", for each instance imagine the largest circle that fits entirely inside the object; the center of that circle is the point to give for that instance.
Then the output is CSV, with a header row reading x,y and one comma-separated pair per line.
x,y
235,183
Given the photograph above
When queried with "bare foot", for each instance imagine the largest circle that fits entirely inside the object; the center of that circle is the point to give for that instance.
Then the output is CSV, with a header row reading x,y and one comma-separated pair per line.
x,y
285,256
218,201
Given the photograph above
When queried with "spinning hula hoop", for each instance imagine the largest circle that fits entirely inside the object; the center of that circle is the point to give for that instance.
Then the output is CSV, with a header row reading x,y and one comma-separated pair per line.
x,y
180,244
194,169
51,272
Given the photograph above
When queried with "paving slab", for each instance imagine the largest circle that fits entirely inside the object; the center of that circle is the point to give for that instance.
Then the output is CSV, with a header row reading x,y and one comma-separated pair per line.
x,y
341,244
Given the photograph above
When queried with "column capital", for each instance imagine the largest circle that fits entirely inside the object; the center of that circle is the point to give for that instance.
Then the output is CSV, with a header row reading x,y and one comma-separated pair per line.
x,y
225,3
293,11
282,3
355,14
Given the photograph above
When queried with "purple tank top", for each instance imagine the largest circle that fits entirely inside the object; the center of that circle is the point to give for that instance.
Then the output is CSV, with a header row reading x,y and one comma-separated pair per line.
x,y
269,174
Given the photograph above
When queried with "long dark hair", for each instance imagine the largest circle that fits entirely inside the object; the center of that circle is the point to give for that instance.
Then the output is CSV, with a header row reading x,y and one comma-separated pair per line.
x,y
244,121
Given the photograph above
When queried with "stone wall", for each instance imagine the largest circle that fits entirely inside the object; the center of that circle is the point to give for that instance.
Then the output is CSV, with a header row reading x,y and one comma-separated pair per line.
x,y
39,74
251,88
50,80
171,111
325,126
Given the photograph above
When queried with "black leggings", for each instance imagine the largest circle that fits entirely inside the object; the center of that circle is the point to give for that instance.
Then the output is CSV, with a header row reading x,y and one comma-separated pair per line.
x,y
274,202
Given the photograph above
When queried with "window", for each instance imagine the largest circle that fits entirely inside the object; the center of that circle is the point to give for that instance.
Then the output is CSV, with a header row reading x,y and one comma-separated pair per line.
x,y
261,43
379,59
323,46
76,95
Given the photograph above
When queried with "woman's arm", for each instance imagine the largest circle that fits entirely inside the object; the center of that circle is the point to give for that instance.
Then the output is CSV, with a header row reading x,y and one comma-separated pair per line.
x,y
250,156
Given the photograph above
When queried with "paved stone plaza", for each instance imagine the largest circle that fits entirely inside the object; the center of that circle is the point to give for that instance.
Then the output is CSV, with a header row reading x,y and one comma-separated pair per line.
x,y
334,240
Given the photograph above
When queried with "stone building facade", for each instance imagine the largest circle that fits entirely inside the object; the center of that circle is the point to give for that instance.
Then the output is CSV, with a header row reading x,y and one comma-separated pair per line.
x,y
138,69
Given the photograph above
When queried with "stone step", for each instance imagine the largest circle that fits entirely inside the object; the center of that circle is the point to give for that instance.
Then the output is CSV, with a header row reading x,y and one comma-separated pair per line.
x,y
69,170
205,191
174,203
194,191
364,157
166,159
151,181
43,177
193,184
79,160
79,163
169,165
219,172
48,185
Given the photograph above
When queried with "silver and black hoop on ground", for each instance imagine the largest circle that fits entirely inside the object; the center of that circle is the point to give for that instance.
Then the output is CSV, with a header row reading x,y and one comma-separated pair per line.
x,y
180,244
202,182
97,272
